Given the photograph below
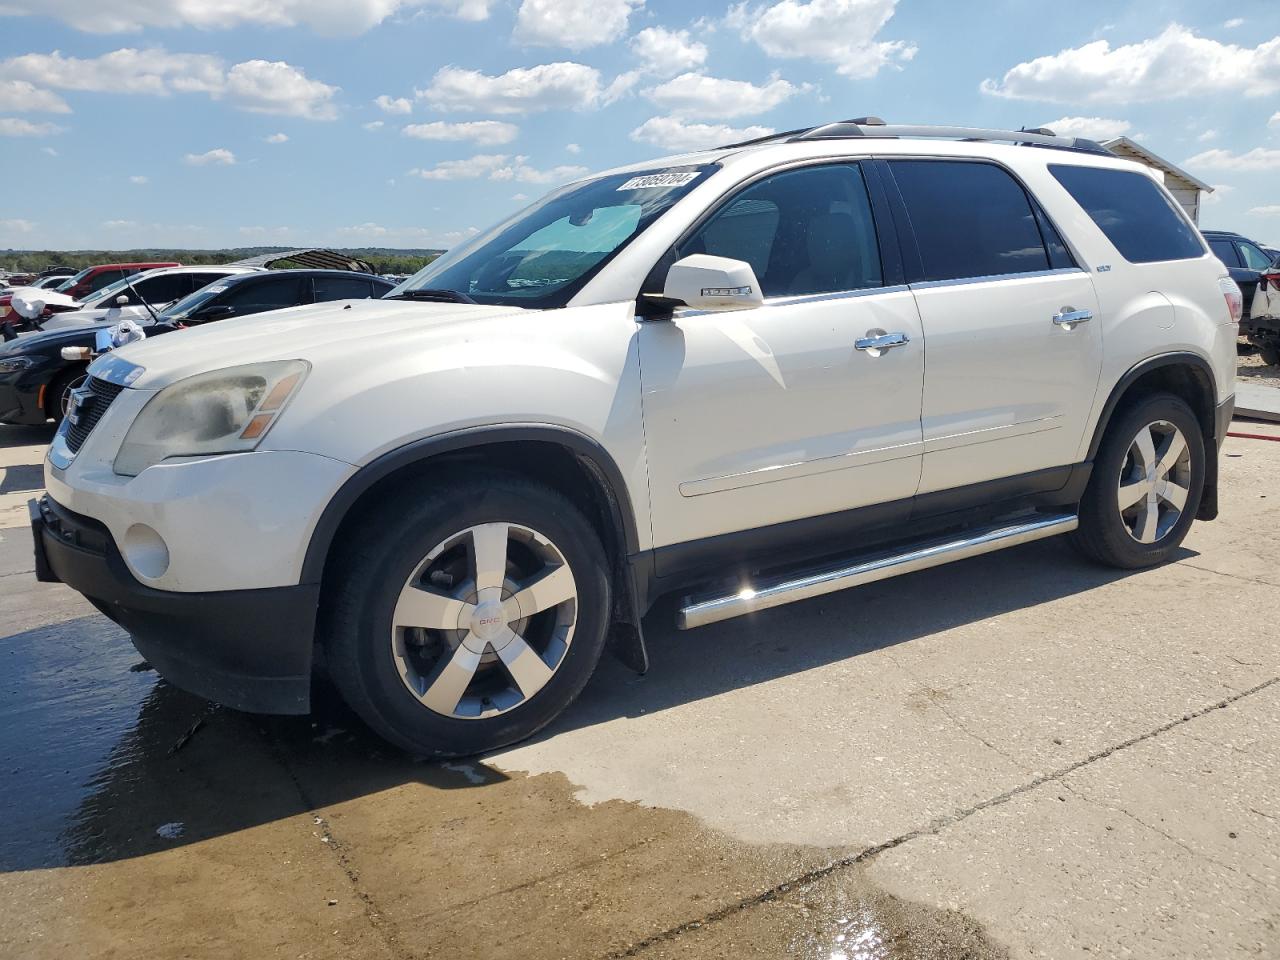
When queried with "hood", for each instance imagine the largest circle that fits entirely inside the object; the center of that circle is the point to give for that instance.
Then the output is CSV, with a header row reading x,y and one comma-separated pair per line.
x,y
39,340
341,332
29,303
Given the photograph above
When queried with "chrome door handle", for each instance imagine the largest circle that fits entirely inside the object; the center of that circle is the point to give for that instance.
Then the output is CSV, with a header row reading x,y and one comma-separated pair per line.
x,y
1068,317
877,341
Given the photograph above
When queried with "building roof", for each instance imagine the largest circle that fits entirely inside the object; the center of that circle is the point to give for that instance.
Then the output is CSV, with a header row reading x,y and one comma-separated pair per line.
x,y
1125,145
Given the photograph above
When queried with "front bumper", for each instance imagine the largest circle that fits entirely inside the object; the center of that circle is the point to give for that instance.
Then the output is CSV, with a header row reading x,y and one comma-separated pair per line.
x,y
247,649
20,399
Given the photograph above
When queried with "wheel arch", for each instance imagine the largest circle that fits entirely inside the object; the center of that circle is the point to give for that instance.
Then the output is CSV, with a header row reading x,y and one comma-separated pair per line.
x,y
563,458
1186,375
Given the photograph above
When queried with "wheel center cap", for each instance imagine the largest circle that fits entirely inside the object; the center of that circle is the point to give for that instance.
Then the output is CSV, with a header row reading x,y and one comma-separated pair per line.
x,y
488,622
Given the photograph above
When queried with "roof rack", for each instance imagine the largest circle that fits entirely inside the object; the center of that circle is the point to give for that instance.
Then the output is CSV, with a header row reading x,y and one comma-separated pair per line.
x,y
875,127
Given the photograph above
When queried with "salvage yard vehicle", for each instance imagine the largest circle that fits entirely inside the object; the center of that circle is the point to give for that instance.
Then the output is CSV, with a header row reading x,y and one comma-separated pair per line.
x,y
1263,324
88,281
704,375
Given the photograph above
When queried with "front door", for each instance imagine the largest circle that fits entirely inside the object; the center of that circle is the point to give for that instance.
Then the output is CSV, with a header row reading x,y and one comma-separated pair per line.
x,y
1014,336
758,417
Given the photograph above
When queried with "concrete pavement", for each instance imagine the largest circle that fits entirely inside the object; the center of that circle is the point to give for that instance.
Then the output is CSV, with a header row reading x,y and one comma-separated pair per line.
x,y
1020,754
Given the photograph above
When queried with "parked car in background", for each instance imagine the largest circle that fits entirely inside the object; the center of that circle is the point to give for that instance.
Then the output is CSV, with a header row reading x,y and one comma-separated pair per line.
x,y
704,375
1244,259
49,282
1263,326
36,380
138,297
88,280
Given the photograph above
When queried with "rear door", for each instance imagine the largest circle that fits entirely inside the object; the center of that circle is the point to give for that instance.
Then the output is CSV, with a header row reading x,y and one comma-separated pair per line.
x,y
1009,378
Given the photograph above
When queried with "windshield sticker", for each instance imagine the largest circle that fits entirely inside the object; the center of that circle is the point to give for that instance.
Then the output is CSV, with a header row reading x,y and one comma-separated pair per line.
x,y
216,288
650,180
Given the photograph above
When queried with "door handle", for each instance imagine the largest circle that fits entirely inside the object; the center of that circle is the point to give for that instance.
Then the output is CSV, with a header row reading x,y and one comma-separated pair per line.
x,y
1067,317
877,342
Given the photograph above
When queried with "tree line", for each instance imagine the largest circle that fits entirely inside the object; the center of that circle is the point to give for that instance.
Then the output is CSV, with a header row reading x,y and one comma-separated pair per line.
x,y
384,260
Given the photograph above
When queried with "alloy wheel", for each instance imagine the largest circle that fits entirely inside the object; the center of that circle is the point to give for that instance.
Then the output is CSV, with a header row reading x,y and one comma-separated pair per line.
x,y
485,621
1155,482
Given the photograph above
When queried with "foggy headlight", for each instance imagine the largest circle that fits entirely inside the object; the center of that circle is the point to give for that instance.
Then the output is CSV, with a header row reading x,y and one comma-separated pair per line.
x,y
223,411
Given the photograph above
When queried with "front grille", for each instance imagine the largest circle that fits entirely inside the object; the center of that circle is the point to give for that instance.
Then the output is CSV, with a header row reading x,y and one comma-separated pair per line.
x,y
98,395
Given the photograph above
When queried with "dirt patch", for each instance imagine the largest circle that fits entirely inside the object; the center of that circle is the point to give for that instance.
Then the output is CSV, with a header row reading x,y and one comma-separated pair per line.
x,y
1251,369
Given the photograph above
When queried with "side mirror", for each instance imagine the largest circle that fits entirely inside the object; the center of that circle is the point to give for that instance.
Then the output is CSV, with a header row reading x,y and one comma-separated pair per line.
x,y
704,282
122,300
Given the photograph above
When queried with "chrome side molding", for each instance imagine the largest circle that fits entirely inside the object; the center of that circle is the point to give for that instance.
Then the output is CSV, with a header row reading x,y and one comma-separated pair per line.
x,y
700,611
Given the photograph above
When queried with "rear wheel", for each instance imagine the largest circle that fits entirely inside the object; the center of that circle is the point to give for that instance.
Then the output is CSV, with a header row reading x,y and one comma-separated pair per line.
x,y
467,617
1145,487
1270,352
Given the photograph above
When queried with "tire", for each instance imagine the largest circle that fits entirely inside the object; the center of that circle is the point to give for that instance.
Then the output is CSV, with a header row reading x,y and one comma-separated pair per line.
x,y
413,557
58,387
1152,527
1270,353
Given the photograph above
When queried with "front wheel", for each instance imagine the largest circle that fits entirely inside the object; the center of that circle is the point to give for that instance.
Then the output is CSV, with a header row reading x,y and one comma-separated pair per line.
x,y
466,614
1145,487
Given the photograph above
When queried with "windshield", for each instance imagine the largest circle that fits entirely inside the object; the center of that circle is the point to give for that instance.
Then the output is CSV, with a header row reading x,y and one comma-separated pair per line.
x,y
72,281
104,296
546,253
192,302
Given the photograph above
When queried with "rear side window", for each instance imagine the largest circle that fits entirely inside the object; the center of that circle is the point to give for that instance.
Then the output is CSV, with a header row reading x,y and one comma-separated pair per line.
x,y
271,293
1225,251
970,219
1254,258
1135,214
340,288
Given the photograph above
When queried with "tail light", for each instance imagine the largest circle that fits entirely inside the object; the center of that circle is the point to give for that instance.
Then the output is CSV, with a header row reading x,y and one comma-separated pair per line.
x,y
1271,278
1235,301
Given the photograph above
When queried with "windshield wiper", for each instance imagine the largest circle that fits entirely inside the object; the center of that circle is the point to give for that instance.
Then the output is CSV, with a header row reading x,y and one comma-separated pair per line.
x,y
433,294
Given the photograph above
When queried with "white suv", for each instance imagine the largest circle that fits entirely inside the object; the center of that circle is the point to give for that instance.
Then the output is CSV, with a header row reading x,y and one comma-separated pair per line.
x,y
758,374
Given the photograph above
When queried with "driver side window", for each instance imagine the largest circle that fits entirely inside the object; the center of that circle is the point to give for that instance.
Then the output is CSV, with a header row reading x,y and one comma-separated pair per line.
x,y
804,231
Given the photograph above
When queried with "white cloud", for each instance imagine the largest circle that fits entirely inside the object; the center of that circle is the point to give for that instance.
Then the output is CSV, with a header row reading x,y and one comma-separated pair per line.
x,y
672,133
697,95
119,224
17,127
49,150
839,32
664,52
1177,63
273,86
393,104
1259,158
218,156
1207,136
576,24
260,231
374,125
548,86
572,148
324,16
22,96
1220,192
276,138
1093,128
1269,210
497,166
17,225
260,86
1275,120
518,197
486,133
1233,23
139,180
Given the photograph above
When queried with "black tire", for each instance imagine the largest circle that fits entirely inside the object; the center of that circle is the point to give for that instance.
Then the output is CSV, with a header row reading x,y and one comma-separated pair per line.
x,y
57,387
387,545
1103,534
1270,353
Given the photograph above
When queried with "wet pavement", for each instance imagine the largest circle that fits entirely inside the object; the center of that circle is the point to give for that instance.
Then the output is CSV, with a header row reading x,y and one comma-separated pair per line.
x,y
1018,755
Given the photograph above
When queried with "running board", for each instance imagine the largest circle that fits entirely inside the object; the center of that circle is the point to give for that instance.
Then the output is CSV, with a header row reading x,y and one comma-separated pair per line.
x,y
775,591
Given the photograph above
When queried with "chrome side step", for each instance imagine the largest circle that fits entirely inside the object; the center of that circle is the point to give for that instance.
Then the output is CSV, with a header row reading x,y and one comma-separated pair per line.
x,y
699,611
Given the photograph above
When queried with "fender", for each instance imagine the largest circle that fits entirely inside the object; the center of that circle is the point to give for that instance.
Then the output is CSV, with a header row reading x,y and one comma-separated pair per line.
x,y
628,639
1209,503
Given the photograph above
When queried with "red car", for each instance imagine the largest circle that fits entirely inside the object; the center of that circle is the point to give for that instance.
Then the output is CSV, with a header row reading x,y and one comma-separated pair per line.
x,y
89,280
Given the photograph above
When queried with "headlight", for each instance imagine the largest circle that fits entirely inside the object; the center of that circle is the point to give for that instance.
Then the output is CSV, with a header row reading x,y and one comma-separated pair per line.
x,y
224,411
14,364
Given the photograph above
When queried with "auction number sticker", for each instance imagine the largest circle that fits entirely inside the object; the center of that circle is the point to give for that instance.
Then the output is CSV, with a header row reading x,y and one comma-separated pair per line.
x,y
650,180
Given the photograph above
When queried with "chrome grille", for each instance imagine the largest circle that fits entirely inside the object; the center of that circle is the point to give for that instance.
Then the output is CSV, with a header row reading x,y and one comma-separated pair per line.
x,y
96,397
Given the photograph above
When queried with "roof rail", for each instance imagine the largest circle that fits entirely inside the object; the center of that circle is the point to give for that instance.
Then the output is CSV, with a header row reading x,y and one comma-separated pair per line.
x,y
875,127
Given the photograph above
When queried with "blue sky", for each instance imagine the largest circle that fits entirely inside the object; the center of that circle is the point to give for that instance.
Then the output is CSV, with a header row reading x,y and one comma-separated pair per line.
x,y
154,123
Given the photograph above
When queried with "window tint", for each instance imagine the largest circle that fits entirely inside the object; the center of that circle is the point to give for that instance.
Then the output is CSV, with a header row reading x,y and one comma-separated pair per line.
x,y
1225,251
803,231
340,288
254,296
162,289
100,280
1254,258
1138,218
970,219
